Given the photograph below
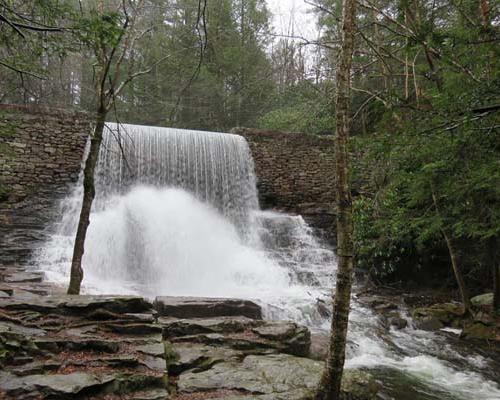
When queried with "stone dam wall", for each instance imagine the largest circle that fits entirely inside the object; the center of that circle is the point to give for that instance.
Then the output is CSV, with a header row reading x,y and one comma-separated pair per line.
x,y
296,174
41,152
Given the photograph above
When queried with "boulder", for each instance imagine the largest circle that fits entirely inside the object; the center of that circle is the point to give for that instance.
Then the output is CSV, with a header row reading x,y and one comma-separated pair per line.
x,y
437,316
319,345
199,307
429,323
289,337
398,322
274,376
484,317
479,331
485,299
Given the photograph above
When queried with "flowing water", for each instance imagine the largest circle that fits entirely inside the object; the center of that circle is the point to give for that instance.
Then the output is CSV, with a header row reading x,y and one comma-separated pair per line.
x,y
176,213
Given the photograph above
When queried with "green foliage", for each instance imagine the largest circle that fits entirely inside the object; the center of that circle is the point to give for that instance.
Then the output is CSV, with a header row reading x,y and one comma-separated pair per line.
x,y
303,108
218,74
100,31
31,45
441,172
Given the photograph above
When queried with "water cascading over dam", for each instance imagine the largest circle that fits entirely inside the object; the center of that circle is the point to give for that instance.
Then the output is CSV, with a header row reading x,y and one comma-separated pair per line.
x,y
176,213
217,168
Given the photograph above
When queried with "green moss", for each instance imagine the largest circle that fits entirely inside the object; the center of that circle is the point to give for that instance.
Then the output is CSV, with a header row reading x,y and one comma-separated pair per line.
x,y
8,128
479,331
6,150
170,355
446,312
4,193
3,353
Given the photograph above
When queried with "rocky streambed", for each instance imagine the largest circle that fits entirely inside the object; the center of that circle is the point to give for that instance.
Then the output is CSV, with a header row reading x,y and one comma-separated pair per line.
x,y
123,347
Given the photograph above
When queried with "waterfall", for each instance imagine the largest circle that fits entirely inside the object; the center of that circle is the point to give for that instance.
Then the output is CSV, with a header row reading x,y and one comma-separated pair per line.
x,y
176,213
217,168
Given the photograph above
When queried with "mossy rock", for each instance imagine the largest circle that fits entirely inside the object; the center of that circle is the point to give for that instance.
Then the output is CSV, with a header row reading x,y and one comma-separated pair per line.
x,y
8,129
445,313
6,150
358,385
485,299
275,376
479,331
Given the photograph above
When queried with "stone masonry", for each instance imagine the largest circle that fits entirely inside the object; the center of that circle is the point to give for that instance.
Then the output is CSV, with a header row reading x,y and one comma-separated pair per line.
x,y
295,174
41,152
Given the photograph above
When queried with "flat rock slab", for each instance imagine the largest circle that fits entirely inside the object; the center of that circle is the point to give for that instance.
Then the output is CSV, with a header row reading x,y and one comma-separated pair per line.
x,y
198,357
177,327
274,376
24,277
51,385
69,347
200,307
67,304
267,337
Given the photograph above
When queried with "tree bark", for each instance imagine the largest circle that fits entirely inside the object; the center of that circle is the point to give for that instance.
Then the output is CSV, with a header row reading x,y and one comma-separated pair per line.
x,y
88,197
495,269
457,270
455,264
496,288
329,386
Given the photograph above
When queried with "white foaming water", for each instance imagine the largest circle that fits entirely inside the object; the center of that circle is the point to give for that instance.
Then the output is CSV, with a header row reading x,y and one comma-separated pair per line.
x,y
176,213
166,242
423,357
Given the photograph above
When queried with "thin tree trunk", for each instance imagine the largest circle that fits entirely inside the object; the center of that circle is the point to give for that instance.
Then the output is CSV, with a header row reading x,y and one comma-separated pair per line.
x,y
495,266
329,386
496,288
455,264
457,270
407,69
88,197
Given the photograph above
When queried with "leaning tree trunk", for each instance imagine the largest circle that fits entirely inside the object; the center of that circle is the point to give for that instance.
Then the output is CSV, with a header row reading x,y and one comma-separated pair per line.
x,y
457,270
496,287
495,269
455,263
329,386
88,197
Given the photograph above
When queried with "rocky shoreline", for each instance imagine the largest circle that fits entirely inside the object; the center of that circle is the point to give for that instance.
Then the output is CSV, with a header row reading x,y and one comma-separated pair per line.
x,y
123,347
433,311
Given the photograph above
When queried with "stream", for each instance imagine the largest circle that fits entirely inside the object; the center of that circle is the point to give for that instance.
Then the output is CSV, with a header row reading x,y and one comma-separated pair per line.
x,y
181,217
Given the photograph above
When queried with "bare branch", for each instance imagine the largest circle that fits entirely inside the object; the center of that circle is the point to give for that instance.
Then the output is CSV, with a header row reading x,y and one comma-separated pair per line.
x,y
21,71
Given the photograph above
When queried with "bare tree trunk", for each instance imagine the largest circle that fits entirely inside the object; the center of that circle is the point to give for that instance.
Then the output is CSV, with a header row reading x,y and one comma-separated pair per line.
x,y
457,270
88,197
407,68
495,266
455,264
496,287
329,386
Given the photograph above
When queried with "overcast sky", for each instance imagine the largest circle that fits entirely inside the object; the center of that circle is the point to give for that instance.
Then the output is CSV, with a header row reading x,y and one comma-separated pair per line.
x,y
283,10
